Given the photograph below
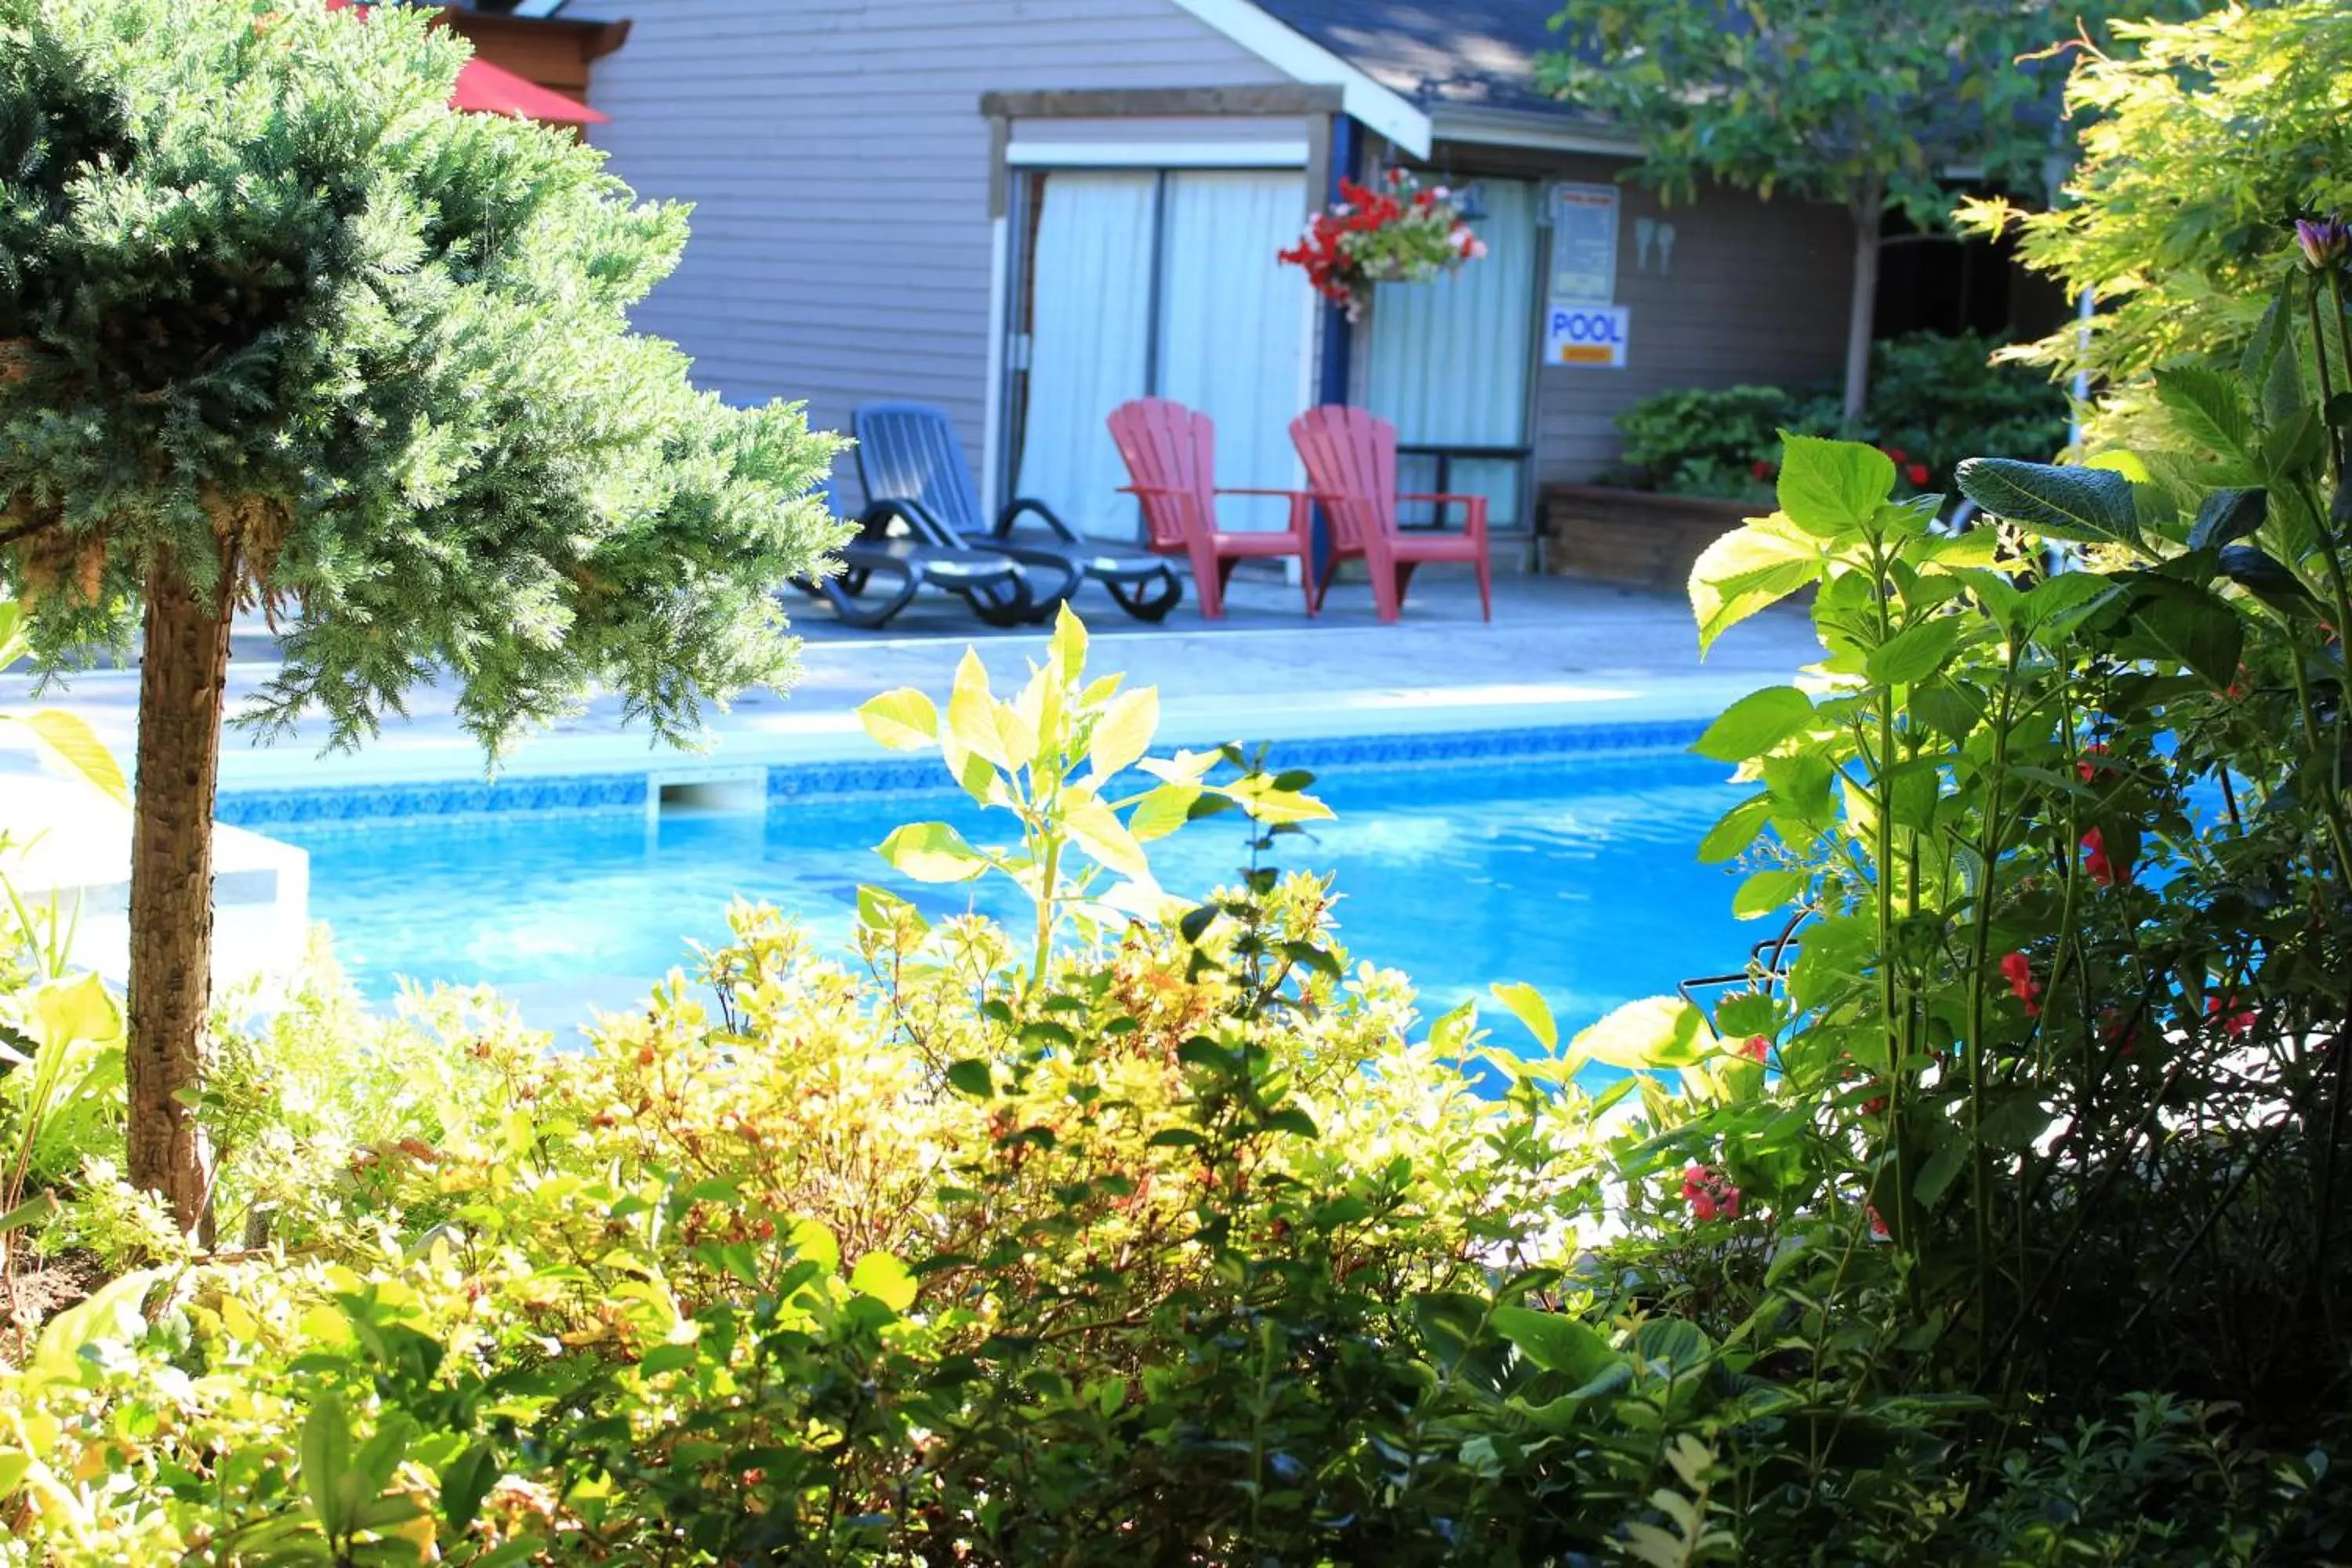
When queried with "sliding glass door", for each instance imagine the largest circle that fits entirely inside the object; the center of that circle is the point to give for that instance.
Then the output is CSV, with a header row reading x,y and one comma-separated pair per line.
x,y
1160,283
1450,362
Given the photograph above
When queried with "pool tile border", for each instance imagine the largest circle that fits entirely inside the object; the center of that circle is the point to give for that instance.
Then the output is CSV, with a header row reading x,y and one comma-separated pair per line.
x,y
618,792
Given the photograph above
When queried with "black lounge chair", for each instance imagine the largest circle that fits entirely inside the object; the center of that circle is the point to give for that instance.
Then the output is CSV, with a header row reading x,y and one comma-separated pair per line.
x,y
994,585
908,454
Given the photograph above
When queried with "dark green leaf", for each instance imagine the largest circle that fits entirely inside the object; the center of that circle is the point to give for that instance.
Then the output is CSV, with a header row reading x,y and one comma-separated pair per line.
x,y
2188,625
1681,1345
1556,1342
466,1480
1292,1120
1938,1173
2256,571
1945,709
972,1077
2227,515
326,1461
2294,448
2091,505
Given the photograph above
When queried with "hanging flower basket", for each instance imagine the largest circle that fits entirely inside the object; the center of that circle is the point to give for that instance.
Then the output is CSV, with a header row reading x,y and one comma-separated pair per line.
x,y
1403,234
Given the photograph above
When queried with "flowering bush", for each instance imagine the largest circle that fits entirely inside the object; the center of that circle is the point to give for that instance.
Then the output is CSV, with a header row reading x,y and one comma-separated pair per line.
x,y
1402,234
1157,1233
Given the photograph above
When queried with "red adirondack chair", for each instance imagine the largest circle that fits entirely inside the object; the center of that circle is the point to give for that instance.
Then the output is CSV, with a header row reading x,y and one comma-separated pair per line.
x,y
1170,452
1351,461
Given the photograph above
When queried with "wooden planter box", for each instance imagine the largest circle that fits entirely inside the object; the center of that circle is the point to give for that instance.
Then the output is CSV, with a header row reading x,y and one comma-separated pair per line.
x,y
1636,537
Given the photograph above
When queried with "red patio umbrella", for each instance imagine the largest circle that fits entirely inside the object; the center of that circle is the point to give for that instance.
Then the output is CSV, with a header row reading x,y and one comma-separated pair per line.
x,y
485,89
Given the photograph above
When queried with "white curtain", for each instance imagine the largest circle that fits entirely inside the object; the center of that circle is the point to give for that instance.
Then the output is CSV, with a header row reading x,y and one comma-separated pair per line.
x,y
1233,326
1088,344
1449,357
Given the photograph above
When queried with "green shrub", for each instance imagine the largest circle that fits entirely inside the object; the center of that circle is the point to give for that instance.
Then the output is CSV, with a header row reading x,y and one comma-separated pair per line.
x,y
2200,141
1935,399
1159,1232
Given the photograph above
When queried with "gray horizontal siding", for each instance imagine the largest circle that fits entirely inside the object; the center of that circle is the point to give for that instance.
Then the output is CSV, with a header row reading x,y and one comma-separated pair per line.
x,y
839,166
1757,294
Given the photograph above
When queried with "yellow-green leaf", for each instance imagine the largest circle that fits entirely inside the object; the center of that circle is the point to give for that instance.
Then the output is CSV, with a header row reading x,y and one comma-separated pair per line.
x,y
1068,652
932,852
77,745
1098,832
1655,1032
1746,569
813,1243
1527,1005
885,1279
1258,797
1162,810
65,1011
904,720
1124,732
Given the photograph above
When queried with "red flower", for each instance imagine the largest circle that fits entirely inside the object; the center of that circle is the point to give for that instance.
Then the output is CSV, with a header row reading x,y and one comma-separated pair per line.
x,y
2103,870
1753,1047
1709,1193
1878,1231
1875,1105
1762,468
2236,690
2236,1022
1894,454
1916,473
2091,772
2018,970
2112,1030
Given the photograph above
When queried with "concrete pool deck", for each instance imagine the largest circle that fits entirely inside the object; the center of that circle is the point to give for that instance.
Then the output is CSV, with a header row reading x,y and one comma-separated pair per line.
x,y
1558,652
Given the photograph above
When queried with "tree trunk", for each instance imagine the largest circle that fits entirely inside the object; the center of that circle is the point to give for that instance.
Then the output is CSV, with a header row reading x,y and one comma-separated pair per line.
x,y
1862,307
182,679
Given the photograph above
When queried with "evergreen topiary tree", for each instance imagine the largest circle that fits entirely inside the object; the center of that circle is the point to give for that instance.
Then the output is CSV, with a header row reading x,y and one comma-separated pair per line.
x,y
277,326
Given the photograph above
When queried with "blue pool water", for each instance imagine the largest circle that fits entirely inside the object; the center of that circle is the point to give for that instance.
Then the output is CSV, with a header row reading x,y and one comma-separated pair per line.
x,y
1573,873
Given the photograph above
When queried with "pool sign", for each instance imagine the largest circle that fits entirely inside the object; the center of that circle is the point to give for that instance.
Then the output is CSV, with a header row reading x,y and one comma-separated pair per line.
x,y
1590,335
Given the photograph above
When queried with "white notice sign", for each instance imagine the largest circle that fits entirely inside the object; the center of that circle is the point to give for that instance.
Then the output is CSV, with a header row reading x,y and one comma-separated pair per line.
x,y
1592,335
1584,243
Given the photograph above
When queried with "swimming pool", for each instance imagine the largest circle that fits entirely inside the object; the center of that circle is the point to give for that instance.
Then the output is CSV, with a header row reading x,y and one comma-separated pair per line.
x,y
1572,871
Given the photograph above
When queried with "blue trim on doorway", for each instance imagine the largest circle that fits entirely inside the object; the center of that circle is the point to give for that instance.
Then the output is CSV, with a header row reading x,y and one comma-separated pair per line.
x,y
1337,335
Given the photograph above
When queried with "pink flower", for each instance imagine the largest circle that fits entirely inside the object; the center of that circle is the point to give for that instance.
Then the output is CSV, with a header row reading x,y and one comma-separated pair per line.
x,y
1753,1047
2103,870
2089,771
1709,1193
1878,1231
2018,970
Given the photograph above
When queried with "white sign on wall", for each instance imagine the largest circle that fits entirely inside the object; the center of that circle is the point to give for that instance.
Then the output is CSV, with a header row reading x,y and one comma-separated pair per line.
x,y
1589,335
1583,242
